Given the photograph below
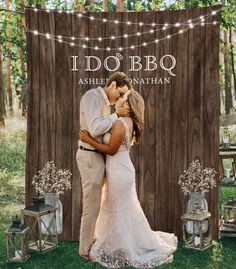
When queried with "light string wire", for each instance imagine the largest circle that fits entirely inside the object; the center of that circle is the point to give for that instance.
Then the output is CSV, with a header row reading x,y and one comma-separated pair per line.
x,y
72,44
59,38
104,20
165,27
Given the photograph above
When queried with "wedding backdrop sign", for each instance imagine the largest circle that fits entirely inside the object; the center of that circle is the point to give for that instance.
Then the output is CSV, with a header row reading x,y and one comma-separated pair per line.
x,y
171,58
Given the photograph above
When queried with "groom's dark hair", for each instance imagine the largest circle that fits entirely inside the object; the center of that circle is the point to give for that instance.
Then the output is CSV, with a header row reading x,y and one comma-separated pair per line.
x,y
121,80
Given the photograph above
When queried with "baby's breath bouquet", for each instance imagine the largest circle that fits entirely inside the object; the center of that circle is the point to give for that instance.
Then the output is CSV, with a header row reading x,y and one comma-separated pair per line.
x,y
197,179
52,179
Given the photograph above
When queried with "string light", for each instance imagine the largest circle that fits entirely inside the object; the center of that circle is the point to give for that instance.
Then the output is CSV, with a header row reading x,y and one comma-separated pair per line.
x,y
190,25
166,26
47,35
60,38
81,15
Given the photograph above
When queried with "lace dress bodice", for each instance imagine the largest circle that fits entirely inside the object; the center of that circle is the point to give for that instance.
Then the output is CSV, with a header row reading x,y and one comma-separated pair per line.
x,y
127,141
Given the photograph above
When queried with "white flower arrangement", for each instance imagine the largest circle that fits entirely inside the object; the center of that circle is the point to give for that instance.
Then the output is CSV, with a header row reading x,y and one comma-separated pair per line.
x,y
52,179
197,179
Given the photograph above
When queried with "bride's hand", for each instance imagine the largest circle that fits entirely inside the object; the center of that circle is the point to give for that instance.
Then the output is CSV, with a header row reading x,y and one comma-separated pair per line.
x,y
85,136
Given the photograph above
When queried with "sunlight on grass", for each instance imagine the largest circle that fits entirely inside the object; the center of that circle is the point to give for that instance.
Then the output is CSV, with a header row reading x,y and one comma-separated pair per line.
x,y
217,252
15,128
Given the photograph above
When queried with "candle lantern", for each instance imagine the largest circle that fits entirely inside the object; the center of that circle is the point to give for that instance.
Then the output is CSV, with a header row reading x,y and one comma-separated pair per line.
x,y
34,215
230,214
16,235
199,236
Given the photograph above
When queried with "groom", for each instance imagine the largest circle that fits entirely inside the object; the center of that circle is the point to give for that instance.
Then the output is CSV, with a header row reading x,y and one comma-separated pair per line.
x,y
95,117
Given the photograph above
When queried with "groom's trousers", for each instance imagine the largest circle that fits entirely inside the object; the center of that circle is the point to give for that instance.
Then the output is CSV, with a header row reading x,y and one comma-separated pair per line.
x,y
91,166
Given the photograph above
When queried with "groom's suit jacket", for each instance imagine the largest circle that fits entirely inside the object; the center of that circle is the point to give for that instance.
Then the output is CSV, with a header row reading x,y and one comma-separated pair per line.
x,y
95,114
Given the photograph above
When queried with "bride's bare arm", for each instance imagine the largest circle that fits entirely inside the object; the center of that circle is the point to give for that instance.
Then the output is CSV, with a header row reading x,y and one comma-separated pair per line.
x,y
116,139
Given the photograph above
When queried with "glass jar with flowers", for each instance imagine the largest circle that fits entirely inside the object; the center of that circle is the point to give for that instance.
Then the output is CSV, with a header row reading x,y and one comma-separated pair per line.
x,y
51,182
195,182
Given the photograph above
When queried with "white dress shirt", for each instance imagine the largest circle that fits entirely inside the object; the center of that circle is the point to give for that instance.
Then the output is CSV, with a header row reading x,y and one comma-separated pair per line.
x,y
95,114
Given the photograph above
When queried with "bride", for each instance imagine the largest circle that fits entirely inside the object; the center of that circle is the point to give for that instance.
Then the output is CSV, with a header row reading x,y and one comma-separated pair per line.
x,y
123,235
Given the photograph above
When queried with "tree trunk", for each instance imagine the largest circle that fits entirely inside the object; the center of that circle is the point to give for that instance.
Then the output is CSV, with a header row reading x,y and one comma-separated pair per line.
x,y
120,5
79,5
2,103
232,60
24,93
105,5
228,93
8,61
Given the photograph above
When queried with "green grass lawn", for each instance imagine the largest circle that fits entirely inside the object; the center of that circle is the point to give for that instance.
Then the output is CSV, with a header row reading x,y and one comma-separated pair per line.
x,y
12,161
220,256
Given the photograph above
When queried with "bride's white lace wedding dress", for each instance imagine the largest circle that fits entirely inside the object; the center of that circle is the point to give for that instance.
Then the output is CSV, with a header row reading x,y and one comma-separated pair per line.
x,y
123,235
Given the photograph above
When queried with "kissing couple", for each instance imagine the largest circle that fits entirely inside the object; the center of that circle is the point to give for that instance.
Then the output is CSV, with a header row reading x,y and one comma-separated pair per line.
x,y
114,230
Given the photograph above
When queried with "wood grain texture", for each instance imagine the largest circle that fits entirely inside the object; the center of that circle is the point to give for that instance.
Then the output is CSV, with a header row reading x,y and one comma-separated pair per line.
x,y
32,151
181,117
64,114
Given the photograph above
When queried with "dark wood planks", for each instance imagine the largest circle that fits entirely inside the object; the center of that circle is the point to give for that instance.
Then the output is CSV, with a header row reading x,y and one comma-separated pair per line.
x,y
47,120
33,105
64,113
211,104
181,118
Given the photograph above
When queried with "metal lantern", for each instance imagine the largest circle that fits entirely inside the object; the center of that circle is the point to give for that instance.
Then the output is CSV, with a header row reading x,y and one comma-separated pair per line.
x,y
199,236
34,215
17,248
228,226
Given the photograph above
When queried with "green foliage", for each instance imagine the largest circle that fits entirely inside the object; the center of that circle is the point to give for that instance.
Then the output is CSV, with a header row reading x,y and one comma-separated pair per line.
x,y
11,189
96,6
138,6
12,162
12,155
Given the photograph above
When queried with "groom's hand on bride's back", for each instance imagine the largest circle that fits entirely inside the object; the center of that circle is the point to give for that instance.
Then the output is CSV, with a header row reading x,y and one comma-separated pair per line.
x,y
122,109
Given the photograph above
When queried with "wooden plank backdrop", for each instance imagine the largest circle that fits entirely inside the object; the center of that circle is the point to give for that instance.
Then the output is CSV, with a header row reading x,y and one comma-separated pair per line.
x,y
181,118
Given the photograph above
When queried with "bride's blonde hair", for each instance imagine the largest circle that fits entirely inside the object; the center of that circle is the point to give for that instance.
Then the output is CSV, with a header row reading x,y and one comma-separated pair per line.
x,y
136,104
